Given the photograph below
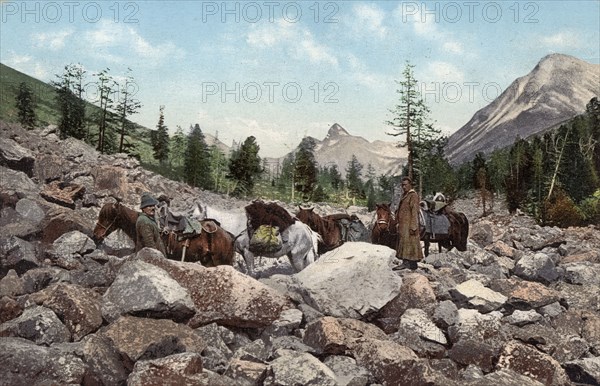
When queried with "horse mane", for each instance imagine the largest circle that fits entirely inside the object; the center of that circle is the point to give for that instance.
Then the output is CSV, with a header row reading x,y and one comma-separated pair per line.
x,y
263,213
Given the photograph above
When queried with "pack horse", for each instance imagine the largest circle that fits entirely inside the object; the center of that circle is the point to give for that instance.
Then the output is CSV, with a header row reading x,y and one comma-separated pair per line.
x,y
211,246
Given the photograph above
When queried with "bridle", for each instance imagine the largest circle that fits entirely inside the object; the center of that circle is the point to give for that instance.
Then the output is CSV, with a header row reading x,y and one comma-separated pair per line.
x,y
106,228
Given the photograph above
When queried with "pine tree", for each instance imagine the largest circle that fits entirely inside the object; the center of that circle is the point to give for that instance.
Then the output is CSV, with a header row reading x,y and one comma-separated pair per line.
x,y
305,167
353,175
410,118
160,139
127,105
197,159
178,148
69,96
244,167
218,166
106,86
26,106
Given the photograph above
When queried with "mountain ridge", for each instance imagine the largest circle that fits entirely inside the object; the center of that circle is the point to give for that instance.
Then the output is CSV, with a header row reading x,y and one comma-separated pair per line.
x,y
556,90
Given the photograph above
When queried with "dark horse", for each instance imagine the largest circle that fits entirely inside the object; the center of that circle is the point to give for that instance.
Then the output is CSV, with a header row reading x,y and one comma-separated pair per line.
x,y
385,231
330,228
209,248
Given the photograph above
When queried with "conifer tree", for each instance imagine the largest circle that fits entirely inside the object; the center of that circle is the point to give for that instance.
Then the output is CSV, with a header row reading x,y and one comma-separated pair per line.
x,y
410,118
127,105
244,167
26,106
353,175
197,159
69,96
160,139
305,167
106,89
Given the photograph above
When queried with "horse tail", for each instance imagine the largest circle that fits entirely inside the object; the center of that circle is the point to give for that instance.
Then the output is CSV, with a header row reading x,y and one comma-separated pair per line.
x,y
461,235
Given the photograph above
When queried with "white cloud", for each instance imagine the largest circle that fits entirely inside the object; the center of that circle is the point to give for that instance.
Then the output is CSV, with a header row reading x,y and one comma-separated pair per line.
x,y
27,65
317,53
51,40
369,18
453,47
111,36
562,39
283,34
444,71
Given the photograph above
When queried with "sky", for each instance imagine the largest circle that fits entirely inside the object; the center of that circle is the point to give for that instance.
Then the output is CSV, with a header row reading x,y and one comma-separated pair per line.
x,y
283,70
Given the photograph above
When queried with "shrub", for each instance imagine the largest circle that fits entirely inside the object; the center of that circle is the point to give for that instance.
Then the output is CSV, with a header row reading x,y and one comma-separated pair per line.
x,y
590,209
561,211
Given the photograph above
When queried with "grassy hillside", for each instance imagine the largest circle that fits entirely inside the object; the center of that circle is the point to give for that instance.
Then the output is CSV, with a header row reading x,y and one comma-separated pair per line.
x,y
47,110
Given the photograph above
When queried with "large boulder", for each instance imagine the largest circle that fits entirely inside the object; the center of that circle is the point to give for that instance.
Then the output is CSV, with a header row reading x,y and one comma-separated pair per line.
x,y
352,281
144,289
222,294
15,156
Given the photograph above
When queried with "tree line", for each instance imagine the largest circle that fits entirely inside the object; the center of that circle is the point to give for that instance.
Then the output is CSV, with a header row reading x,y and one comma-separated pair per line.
x,y
554,177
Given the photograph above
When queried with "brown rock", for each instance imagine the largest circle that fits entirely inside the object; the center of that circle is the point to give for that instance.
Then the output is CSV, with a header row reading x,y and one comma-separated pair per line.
x,y
333,336
528,361
9,309
63,194
394,364
471,352
79,308
178,369
246,372
141,338
525,295
223,295
416,292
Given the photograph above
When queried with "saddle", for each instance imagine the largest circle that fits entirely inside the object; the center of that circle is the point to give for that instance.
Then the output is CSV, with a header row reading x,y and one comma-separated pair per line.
x,y
353,229
179,223
433,217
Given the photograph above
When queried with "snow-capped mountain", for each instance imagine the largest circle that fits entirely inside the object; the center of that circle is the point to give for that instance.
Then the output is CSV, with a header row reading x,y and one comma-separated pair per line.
x,y
556,90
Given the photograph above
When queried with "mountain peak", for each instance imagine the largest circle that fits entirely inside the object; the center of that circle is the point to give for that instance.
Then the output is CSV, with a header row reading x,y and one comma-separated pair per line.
x,y
337,131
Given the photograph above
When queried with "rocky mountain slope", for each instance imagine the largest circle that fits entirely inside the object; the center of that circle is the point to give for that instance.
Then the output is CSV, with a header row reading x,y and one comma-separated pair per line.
x,y
557,89
519,307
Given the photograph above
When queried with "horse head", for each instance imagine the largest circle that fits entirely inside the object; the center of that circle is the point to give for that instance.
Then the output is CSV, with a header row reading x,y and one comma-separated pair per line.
x,y
107,219
307,216
384,217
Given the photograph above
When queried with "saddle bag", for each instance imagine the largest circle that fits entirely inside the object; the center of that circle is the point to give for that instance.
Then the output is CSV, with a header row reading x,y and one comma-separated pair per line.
x,y
266,239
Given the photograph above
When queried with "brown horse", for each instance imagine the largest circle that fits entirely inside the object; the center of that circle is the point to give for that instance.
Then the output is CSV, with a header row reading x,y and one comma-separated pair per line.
x,y
455,238
331,228
385,230
209,248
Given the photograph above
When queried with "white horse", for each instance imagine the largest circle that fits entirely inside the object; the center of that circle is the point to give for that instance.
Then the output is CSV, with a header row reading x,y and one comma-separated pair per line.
x,y
299,244
232,220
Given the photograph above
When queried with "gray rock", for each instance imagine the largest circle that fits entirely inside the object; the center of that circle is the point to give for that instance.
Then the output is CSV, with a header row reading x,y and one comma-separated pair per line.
x,y
144,289
417,321
352,281
584,371
537,267
118,244
11,285
30,210
477,296
17,254
521,318
72,243
347,371
445,314
292,368
15,156
38,324
50,367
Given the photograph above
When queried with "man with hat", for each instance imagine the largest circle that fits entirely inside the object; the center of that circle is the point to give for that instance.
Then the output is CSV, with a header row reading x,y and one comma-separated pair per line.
x,y
148,234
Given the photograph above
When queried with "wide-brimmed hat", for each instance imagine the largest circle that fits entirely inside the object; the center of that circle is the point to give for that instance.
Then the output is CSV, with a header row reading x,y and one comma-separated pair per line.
x,y
147,200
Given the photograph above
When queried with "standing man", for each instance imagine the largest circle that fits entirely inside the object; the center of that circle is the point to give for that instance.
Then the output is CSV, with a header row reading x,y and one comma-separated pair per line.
x,y
147,232
409,243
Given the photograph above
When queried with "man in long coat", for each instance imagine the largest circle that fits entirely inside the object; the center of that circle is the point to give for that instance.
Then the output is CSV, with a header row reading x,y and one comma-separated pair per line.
x,y
407,214
147,232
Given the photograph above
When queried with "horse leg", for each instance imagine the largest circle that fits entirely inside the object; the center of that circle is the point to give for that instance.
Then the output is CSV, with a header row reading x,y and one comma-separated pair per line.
x,y
427,243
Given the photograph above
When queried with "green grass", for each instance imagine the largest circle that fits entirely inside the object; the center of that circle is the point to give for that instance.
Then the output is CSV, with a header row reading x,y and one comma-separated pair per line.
x,y
47,111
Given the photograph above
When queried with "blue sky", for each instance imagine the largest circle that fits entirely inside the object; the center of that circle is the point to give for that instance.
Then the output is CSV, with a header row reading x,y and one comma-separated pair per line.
x,y
281,70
